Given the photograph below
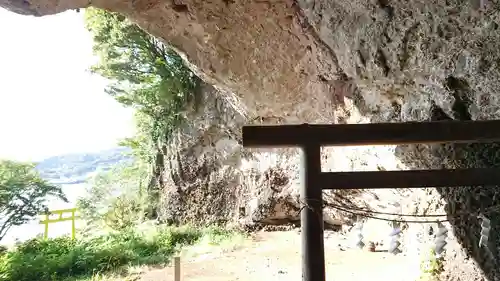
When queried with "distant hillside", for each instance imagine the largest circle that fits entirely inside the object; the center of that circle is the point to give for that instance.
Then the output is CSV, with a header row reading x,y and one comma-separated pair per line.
x,y
76,168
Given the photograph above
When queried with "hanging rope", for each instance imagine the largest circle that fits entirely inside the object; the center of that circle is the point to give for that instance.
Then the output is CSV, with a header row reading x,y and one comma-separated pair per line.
x,y
426,218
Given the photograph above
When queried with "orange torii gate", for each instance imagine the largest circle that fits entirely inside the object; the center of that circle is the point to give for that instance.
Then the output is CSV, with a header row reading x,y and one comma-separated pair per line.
x,y
310,138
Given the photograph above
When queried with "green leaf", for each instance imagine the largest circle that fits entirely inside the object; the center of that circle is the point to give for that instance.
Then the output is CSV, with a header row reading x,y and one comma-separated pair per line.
x,y
23,194
144,74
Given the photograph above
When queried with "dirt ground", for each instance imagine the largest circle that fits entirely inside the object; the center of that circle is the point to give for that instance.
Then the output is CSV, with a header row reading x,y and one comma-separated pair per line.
x,y
276,256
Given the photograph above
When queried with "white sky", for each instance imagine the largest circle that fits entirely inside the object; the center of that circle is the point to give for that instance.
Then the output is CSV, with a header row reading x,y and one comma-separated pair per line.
x,y
49,103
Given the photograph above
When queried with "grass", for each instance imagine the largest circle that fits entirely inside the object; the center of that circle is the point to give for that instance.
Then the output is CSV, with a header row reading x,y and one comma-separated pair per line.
x,y
215,242
98,258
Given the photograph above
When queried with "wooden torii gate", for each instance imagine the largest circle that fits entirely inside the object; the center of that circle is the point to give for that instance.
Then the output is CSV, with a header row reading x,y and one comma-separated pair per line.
x,y
310,139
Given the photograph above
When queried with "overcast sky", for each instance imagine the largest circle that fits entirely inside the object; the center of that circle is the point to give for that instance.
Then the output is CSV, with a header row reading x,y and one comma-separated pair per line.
x,y
49,103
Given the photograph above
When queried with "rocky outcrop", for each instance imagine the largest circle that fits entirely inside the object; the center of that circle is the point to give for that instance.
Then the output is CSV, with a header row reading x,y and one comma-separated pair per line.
x,y
338,61
209,178
201,183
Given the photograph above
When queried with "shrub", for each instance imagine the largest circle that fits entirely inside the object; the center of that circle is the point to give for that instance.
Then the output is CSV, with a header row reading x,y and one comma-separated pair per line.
x,y
431,267
60,258
116,199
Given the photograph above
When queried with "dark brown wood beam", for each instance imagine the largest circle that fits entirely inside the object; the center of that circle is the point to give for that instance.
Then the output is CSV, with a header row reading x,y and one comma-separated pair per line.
x,y
410,179
371,133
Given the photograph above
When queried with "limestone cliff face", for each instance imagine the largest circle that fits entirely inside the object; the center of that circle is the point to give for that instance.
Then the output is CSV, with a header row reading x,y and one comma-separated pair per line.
x,y
209,178
334,61
201,180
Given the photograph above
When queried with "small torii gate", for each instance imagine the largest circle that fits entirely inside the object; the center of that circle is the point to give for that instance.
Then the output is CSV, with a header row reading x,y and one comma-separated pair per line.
x,y
310,138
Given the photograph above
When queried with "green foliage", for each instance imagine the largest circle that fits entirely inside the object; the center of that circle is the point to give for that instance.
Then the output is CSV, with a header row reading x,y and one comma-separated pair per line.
x,y
117,198
143,143
23,194
145,73
431,267
60,258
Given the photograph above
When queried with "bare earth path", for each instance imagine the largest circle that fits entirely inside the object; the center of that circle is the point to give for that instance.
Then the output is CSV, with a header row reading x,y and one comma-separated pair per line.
x,y
276,256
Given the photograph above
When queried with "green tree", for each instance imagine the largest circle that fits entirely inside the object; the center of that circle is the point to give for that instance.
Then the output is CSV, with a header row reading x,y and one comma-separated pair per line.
x,y
144,73
23,194
148,76
116,198
142,144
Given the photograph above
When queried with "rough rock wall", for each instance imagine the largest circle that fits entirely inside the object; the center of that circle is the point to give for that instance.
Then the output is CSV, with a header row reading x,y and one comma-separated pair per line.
x,y
408,56
293,61
426,60
210,178
199,162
